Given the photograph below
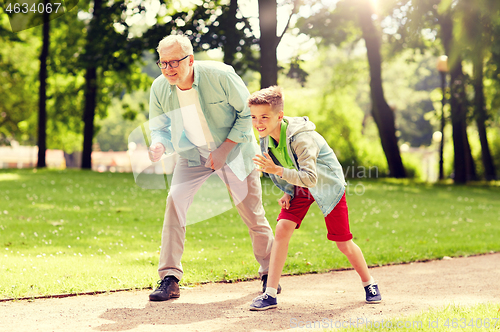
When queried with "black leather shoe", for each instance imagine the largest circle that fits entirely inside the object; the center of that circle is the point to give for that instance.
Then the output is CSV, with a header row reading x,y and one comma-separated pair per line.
x,y
264,284
167,289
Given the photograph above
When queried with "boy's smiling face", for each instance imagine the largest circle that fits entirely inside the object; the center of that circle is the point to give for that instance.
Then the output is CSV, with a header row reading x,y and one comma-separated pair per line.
x,y
266,120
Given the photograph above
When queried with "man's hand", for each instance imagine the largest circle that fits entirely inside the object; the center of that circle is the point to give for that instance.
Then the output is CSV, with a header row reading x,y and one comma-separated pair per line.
x,y
265,164
156,151
217,158
284,201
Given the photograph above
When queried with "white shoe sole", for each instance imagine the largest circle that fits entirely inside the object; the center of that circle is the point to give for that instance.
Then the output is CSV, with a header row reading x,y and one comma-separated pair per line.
x,y
373,302
265,308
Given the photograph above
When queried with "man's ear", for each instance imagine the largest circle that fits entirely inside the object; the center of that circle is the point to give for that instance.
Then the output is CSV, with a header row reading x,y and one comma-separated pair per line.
x,y
191,59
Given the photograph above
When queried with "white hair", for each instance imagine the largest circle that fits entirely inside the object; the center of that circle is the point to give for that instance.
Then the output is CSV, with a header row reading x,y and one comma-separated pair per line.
x,y
181,40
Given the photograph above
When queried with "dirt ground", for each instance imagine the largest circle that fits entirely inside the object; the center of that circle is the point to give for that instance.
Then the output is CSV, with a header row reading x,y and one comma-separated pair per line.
x,y
331,298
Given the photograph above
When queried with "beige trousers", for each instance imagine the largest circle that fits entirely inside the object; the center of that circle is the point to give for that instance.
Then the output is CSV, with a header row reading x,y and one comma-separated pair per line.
x,y
247,196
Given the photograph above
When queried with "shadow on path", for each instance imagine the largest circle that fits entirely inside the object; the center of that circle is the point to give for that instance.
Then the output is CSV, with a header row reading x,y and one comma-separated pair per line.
x,y
233,315
168,313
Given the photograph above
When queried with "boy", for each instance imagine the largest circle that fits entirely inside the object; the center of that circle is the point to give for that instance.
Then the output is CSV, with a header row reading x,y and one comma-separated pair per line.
x,y
300,163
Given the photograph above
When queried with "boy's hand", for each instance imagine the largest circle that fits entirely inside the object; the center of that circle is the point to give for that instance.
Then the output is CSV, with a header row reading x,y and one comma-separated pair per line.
x,y
284,201
265,164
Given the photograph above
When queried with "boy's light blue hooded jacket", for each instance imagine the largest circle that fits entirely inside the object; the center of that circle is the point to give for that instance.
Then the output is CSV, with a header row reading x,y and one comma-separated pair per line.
x,y
316,165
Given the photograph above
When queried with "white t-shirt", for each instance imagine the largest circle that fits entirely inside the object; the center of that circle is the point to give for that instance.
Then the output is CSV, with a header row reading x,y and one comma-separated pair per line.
x,y
195,123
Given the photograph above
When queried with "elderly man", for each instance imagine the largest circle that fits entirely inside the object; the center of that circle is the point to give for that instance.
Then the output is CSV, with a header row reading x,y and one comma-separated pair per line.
x,y
198,109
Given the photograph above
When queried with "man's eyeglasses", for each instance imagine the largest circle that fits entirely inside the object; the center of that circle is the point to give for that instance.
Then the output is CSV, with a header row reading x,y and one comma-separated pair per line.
x,y
172,64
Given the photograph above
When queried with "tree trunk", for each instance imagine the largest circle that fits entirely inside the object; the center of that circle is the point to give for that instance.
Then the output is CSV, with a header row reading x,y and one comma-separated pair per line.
x,y
90,89
42,93
231,38
88,116
443,123
268,43
382,113
463,162
481,117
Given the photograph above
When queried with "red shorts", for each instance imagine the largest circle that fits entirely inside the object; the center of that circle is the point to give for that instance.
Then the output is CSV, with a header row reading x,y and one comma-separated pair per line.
x,y
337,222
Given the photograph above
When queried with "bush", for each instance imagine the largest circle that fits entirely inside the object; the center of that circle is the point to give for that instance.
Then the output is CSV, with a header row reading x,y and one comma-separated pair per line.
x,y
494,141
413,166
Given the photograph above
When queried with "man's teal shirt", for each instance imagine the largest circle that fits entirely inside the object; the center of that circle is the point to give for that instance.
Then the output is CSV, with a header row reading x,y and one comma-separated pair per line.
x,y
223,99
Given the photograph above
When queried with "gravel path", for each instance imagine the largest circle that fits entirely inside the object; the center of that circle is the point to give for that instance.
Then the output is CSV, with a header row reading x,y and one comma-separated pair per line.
x,y
332,297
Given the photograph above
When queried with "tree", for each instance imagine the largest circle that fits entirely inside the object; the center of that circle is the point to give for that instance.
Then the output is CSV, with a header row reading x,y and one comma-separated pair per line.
x,y
42,94
481,116
20,52
463,162
107,53
211,25
93,35
269,41
382,113
19,75
438,17
477,34
349,21
237,39
66,83
110,54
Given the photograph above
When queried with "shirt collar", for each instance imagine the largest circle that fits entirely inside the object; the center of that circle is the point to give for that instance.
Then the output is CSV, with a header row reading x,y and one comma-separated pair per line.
x,y
196,74
282,142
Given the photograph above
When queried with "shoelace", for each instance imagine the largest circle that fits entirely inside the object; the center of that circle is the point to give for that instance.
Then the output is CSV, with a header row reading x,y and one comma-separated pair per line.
x,y
163,284
372,289
261,297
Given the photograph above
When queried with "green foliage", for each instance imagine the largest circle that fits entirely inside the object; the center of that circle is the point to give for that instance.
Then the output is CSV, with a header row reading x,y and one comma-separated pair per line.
x,y
18,84
116,50
336,110
335,25
408,79
413,166
124,115
296,72
491,86
494,139
494,144
210,24
335,96
411,36
120,71
65,82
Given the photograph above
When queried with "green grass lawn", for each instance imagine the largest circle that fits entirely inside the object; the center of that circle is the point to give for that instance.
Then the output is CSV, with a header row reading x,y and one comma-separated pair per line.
x,y
479,317
81,231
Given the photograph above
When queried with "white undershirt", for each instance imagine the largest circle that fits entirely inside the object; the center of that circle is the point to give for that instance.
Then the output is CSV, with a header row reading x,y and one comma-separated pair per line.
x,y
195,123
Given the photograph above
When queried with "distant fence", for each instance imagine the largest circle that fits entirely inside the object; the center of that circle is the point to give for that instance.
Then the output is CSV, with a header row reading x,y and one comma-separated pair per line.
x,y
110,161
19,156
120,161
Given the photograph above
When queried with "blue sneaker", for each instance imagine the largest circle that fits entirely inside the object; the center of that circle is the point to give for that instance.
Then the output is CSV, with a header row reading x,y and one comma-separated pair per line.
x,y
373,294
263,302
